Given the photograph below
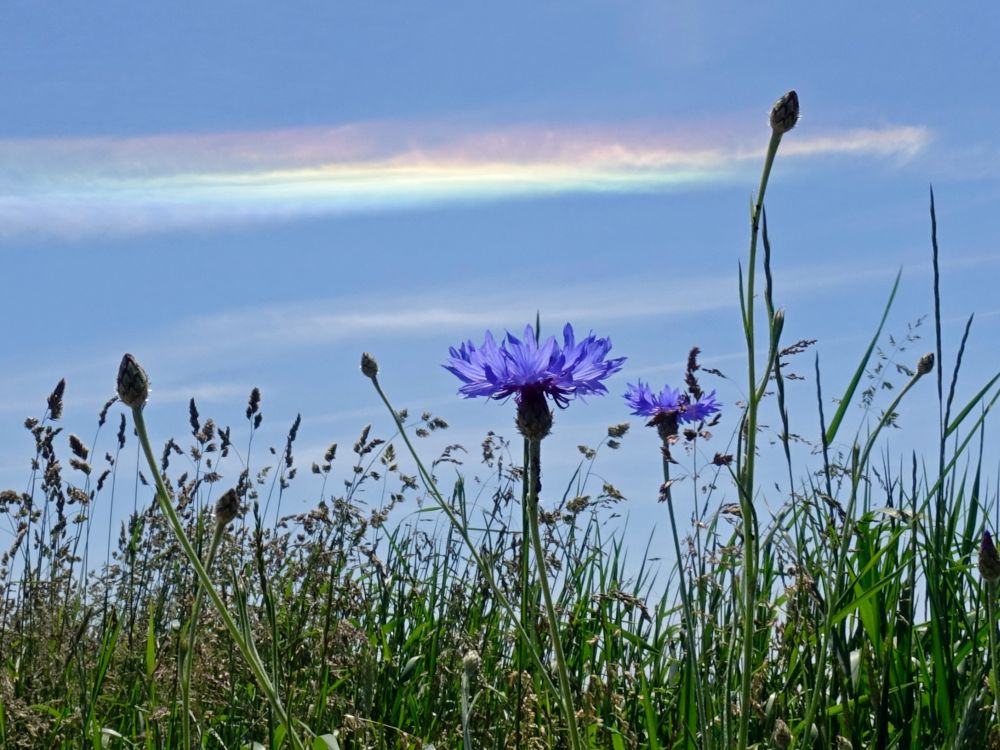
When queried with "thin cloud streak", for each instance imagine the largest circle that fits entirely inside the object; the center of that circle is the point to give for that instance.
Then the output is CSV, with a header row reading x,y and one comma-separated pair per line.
x,y
190,343
305,324
77,187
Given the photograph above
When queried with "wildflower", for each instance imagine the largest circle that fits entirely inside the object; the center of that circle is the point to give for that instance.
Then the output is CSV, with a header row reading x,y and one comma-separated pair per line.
x,y
645,403
989,559
531,372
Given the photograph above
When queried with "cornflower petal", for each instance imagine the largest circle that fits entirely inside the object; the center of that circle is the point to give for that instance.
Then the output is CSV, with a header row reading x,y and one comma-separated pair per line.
x,y
517,366
645,404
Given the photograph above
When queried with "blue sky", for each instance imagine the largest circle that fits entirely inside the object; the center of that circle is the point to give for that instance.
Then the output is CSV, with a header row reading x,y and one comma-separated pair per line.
x,y
246,194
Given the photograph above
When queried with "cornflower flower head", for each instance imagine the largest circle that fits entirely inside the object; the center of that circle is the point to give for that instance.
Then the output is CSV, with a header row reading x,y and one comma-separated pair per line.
x,y
531,371
670,407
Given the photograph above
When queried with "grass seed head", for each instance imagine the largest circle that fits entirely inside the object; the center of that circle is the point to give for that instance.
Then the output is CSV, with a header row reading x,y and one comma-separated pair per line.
x,y
471,663
56,400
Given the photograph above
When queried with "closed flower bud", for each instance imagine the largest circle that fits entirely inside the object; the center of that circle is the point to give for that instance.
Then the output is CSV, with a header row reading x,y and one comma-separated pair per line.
x,y
989,560
925,364
227,507
369,367
133,383
782,735
785,113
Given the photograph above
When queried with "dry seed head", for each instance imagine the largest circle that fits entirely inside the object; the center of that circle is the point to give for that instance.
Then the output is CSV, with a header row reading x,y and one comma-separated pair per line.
x,y
471,663
925,364
133,383
369,367
56,400
227,507
785,113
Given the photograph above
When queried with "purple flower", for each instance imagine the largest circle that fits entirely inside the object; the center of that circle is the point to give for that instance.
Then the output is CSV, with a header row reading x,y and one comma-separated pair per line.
x,y
524,367
645,403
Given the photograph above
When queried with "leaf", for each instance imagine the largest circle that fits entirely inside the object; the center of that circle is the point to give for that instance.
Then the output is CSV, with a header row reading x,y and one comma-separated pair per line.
x,y
845,401
326,742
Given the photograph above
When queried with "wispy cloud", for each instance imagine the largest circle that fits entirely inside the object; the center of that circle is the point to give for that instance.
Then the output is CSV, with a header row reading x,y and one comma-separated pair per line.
x,y
472,309
120,185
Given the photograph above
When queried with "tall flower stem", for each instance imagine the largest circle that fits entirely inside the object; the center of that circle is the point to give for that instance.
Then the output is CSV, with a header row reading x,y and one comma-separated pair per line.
x,y
430,484
187,663
163,498
534,482
689,620
746,475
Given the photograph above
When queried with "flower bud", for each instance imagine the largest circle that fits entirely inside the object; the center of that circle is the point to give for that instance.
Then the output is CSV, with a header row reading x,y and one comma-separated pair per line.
x,y
779,323
926,364
782,735
133,383
989,560
369,367
227,507
785,113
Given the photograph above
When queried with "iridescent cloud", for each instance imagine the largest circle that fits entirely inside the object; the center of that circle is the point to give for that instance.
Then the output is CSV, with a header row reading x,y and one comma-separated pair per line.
x,y
120,185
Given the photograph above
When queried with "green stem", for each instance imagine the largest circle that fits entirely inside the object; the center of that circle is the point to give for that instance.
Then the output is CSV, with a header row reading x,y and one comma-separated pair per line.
x,y
187,662
746,484
163,498
534,474
430,484
994,667
466,712
689,621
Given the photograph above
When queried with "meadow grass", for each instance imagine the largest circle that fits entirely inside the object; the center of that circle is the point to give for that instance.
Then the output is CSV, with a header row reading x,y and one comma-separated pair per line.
x,y
853,615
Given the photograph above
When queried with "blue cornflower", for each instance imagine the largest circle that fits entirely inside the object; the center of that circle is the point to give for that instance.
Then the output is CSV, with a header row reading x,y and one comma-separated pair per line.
x,y
529,371
645,403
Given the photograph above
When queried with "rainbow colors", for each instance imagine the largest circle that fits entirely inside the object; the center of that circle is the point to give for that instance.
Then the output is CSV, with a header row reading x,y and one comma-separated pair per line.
x,y
120,185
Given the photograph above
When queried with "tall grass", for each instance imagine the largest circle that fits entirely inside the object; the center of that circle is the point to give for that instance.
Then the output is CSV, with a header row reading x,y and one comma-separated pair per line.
x,y
853,615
